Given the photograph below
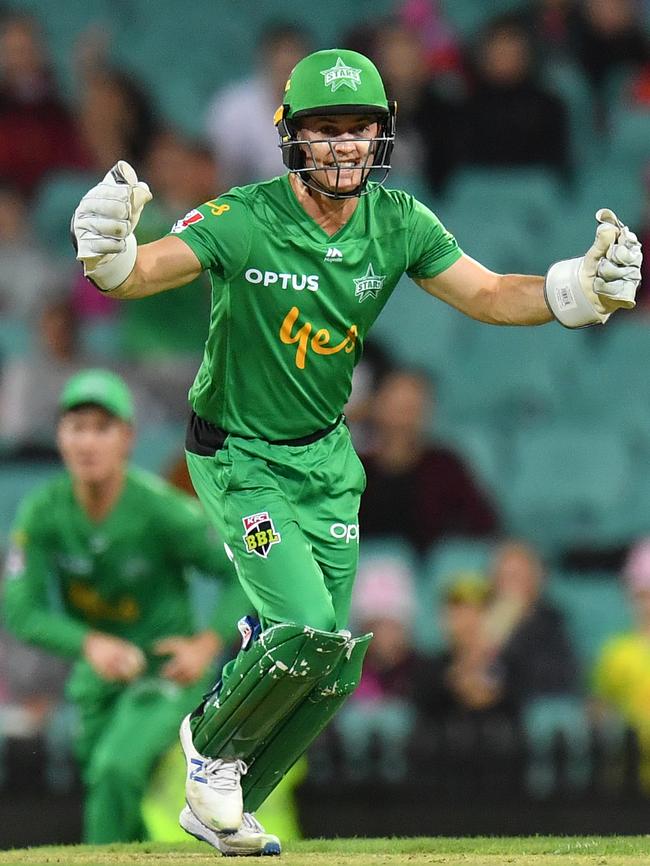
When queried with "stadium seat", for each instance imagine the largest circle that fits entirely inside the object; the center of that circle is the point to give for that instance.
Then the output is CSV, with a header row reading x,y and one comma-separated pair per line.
x,y
386,725
470,16
15,338
157,446
595,606
17,479
58,196
545,720
566,80
561,494
445,560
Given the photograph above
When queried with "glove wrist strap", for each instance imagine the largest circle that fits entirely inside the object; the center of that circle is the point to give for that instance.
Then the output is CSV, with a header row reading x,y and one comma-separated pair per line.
x,y
566,297
112,270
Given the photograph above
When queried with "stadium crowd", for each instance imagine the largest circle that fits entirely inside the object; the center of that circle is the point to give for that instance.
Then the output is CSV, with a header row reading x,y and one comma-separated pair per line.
x,y
507,584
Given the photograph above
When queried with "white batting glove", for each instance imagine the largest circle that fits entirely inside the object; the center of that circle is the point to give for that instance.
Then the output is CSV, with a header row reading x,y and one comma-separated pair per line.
x,y
587,290
103,226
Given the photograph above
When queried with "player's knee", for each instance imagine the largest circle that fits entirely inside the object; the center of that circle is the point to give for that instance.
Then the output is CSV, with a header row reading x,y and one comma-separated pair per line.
x,y
323,619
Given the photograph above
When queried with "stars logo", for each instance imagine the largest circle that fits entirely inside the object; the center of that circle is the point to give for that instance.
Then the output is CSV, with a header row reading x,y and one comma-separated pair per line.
x,y
340,74
369,285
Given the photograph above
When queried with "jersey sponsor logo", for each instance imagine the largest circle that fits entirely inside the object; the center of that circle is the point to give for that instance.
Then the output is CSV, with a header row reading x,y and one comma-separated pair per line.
x,y
340,74
194,216
86,599
369,285
347,531
260,535
333,255
319,343
294,281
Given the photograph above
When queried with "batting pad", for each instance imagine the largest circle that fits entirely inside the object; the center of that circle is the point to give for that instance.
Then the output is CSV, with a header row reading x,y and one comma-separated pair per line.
x,y
265,685
294,735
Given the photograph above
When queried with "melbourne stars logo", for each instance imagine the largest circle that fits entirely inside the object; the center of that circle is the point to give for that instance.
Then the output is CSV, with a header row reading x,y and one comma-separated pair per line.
x,y
369,285
339,74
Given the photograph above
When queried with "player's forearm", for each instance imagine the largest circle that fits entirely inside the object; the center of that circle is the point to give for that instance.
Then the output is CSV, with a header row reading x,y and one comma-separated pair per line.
x,y
516,300
38,626
157,269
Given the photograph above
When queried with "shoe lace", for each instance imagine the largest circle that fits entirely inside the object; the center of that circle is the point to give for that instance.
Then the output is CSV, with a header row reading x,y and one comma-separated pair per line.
x,y
225,775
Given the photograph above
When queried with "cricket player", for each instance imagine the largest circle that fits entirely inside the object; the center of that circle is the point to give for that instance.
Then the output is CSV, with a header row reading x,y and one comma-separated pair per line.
x,y
301,266
114,544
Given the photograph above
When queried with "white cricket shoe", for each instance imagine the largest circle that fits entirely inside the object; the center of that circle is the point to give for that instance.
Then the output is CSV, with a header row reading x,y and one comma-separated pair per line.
x,y
250,840
213,786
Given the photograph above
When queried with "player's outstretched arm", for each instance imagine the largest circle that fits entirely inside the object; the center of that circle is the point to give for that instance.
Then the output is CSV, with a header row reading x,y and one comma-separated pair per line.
x,y
102,229
577,292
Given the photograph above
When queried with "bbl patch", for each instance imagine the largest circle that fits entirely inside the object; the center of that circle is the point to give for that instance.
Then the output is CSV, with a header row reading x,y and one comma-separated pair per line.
x,y
260,534
194,216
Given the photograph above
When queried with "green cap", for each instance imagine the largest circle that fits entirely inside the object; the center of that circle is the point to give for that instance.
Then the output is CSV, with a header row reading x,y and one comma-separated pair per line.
x,y
99,388
335,81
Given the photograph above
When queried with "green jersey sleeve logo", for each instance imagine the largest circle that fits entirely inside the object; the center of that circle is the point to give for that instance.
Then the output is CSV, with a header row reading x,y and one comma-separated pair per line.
x,y
340,74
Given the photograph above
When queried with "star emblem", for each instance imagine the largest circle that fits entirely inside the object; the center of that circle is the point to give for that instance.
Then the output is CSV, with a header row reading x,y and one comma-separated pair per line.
x,y
339,74
369,285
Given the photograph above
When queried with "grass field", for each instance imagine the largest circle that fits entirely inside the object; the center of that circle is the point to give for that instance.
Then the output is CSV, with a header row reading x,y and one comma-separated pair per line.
x,y
536,851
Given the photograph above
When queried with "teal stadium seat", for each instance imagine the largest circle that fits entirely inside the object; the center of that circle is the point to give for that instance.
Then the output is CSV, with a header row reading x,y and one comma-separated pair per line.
x,y
596,608
158,446
468,17
566,80
443,562
570,487
504,217
15,338
58,196
17,479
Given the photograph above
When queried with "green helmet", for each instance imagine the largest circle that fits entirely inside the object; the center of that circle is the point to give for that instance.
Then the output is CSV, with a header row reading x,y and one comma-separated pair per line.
x,y
335,81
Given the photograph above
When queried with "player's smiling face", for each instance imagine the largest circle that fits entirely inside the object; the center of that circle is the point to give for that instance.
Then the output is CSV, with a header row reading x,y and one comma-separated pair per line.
x,y
339,149
94,444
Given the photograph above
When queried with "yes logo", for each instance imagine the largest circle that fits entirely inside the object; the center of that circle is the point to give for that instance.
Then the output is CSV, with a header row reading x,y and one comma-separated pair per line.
x,y
319,343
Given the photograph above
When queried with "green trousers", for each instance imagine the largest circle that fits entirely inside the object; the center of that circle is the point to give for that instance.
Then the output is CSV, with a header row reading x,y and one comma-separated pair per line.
x,y
289,516
123,732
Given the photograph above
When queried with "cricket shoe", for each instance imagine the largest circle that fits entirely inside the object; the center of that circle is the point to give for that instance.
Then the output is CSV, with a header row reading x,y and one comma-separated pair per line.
x,y
213,786
250,840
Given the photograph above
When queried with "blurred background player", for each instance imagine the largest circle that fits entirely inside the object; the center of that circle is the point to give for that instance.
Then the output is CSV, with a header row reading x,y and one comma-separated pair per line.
x,y
117,544
272,460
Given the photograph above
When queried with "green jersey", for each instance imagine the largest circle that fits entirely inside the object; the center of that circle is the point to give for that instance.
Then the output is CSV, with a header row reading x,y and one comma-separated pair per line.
x,y
125,575
291,305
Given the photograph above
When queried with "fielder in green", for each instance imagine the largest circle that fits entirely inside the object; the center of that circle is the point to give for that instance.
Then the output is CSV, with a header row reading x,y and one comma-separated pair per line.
x,y
98,572
301,266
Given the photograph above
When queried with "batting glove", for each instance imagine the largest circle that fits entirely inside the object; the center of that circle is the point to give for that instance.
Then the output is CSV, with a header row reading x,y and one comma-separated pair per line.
x,y
103,225
587,290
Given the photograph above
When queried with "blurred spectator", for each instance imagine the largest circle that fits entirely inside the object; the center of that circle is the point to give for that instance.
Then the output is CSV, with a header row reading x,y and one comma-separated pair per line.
x,y
533,652
30,385
416,489
116,118
383,602
441,48
26,276
424,116
380,714
366,379
622,670
164,334
609,38
37,132
239,119
508,118
461,680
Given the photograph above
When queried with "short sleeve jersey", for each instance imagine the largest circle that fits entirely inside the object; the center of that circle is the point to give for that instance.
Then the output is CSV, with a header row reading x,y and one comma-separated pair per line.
x,y
291,305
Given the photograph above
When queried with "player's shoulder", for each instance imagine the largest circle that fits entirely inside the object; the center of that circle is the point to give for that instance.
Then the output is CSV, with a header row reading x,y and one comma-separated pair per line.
x,y
44,501
396,202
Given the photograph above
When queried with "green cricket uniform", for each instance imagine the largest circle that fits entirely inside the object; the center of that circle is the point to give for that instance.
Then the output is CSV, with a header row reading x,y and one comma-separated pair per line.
x,y
291,307
124,575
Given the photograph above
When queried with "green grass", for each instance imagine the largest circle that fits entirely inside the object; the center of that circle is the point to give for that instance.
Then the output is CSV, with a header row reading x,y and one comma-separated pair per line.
x,y
535,851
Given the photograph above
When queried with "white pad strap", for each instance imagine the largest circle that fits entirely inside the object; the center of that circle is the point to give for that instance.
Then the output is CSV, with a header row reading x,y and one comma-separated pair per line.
x,y
566,298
